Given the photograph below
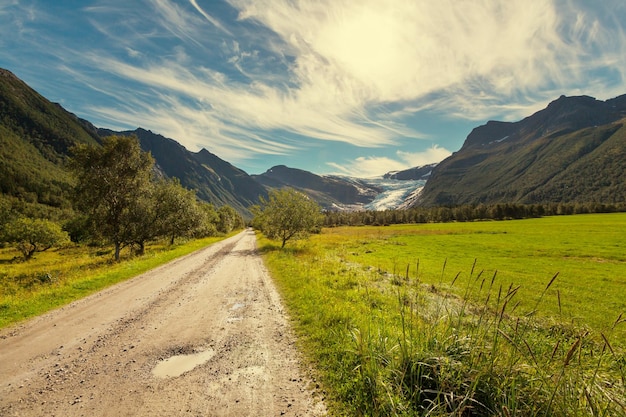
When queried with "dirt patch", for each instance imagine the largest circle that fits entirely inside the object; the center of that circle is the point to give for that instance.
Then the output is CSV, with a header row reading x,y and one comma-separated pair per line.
x,y
214,316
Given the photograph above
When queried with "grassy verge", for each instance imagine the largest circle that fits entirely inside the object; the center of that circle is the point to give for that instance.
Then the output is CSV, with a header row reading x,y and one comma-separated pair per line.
x,y
57,277
388,340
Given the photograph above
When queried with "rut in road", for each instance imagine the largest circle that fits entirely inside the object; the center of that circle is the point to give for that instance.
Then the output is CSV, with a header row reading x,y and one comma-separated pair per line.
x,y
204,335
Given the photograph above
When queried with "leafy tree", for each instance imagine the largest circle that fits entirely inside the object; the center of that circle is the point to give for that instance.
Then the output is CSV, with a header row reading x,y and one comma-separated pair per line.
x,y
6,214
229,219
210,220
288,214
34,235
142,220
111,182
177,210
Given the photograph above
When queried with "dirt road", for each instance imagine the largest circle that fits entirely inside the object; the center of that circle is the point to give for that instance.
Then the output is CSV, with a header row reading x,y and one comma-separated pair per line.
x,y
205,335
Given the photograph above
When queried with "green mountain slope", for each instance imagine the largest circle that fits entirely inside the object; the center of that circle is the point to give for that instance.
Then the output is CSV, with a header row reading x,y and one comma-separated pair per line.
x,y
36,136
572,151
215,180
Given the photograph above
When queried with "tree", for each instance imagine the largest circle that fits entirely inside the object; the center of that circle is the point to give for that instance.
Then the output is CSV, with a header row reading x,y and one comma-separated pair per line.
x,y
142,220
111,181
34,235
229,219
288,214
177,210
6,214
210,220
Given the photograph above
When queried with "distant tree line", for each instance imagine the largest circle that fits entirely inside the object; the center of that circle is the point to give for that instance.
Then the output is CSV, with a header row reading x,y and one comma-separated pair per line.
x,y
464,213
118,199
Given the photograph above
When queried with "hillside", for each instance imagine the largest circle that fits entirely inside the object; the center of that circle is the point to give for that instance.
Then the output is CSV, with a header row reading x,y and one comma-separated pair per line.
x,y
415,173
572,151
36,136
215,180
331,192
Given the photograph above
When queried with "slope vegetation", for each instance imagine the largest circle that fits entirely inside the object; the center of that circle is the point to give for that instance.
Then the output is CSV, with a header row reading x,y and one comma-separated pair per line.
x,y
35,136
35,141
572,151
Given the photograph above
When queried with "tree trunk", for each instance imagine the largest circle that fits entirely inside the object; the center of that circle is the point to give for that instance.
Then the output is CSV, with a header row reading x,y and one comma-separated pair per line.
x,y
117,251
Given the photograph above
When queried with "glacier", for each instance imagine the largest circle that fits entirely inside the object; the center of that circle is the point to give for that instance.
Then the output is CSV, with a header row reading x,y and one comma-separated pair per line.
x,y
394,192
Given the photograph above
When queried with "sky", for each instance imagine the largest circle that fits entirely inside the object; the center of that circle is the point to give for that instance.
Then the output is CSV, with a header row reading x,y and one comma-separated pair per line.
x,y
348,87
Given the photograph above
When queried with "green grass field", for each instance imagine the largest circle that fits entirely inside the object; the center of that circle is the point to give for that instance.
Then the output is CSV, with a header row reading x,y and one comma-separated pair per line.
x,y
463,318
587,251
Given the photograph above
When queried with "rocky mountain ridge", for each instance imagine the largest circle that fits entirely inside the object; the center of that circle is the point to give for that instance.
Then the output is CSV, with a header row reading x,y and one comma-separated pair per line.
x,y
573,150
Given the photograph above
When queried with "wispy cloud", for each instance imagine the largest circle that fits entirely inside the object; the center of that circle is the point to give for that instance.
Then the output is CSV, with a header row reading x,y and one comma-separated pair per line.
x,y
210,18
287,74
405,50
345,59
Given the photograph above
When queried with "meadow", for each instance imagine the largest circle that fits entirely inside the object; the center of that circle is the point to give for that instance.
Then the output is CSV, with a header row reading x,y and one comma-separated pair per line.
x,y
61,275
502,318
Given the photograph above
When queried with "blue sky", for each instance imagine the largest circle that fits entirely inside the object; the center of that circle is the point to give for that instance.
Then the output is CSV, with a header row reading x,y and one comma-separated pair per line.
x,y
330,86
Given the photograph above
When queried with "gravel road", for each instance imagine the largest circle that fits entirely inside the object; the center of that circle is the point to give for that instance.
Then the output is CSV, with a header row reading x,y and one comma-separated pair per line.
x,y
205,335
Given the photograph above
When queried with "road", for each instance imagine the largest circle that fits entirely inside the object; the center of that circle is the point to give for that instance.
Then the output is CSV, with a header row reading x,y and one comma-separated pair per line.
x,y
205,335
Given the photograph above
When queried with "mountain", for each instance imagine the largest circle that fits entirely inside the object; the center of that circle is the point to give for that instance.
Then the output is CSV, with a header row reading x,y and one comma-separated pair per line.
x,y
416,173
572,151
215,180
331,192
36,136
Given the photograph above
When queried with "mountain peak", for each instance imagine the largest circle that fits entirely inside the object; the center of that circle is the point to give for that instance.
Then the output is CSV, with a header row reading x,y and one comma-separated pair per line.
x,y
563,115
567,152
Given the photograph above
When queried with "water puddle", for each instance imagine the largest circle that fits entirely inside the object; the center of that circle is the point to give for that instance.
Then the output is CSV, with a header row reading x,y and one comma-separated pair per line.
x,y
235,307
178,365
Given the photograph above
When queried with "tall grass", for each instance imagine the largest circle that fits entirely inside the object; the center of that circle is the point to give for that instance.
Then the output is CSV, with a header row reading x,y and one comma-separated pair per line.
x,y
385,343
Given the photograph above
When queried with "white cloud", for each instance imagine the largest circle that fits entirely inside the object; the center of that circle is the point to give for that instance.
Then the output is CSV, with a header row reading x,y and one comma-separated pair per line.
x,y
375,166
402,49
210,18
429,156
374,51
345,60
132,53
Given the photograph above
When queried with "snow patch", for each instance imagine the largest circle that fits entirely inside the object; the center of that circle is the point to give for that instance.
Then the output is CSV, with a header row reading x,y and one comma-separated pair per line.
x,y
499,140
394,194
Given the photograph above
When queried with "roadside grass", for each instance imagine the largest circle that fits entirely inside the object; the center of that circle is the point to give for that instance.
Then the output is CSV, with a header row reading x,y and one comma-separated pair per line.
x,y
391,341
59,276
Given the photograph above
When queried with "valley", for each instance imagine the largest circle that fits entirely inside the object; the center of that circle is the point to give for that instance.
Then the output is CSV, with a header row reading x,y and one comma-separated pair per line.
x,y
104,354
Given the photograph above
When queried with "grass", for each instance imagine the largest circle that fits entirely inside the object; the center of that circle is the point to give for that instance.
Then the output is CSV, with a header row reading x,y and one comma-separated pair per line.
x,y
587,252
59,276
387,340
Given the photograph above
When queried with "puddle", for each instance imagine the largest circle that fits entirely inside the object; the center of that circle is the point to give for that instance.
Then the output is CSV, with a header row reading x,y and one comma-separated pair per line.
x,y
178,365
